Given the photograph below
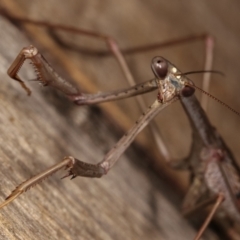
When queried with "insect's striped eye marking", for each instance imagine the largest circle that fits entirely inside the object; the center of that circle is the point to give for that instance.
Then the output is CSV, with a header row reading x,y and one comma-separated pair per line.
x,y
159,67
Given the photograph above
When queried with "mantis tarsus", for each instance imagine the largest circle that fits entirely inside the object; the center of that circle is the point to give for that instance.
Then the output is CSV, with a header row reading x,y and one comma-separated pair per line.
x,y
149,86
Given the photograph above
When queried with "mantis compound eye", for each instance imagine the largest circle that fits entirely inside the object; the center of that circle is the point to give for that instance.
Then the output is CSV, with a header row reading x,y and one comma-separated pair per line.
x,y
188,91
237,195
159,67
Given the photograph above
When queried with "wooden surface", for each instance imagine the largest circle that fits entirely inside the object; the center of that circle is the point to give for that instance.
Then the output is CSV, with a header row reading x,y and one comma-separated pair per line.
x,y
36,132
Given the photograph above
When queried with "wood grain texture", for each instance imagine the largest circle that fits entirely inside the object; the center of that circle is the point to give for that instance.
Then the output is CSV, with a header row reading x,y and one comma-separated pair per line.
x,y
128,203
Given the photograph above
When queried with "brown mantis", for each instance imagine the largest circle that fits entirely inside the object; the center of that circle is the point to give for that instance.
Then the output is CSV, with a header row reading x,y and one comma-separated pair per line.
x,y
153,87
171,84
